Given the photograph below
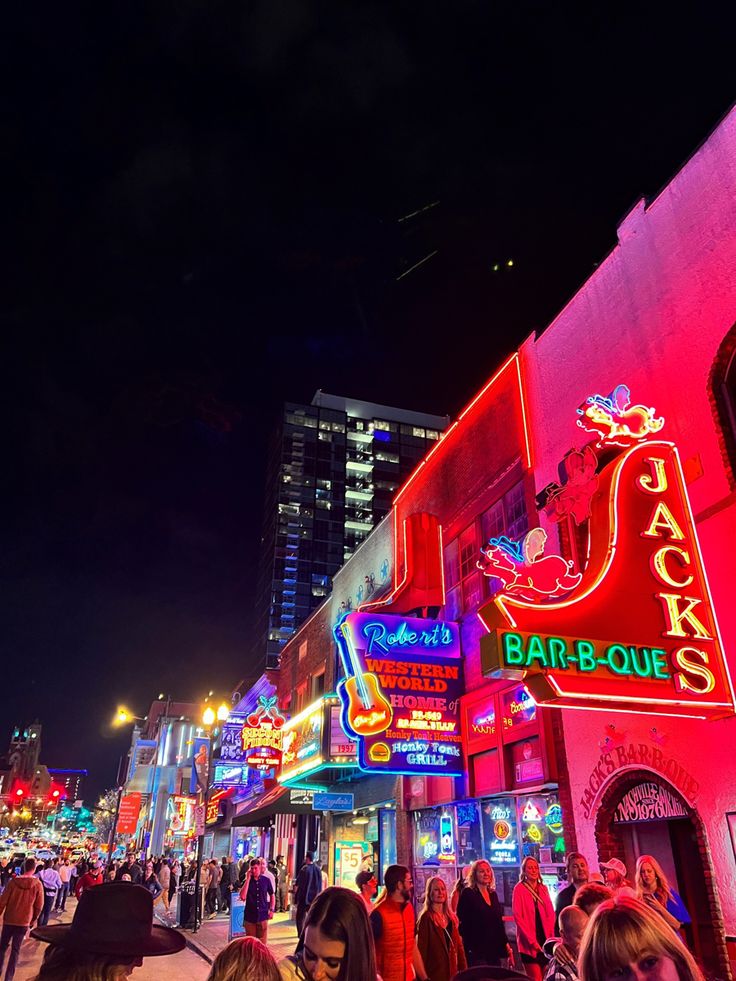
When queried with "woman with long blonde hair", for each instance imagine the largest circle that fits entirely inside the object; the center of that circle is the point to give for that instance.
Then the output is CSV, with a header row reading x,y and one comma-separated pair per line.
x,y
626,939
481,918
245,959
534,917
438,937
653,888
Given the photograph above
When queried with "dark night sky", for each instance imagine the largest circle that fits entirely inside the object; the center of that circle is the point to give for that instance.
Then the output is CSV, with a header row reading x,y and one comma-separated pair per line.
x,y
200,220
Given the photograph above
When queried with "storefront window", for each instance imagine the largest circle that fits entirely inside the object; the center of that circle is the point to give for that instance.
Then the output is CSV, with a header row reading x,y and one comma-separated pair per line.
x,y
469,844
540,823
434,837
388,840
519,708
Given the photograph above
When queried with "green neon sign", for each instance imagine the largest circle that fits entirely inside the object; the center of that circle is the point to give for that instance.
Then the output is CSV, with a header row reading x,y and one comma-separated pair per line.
x,y
538,652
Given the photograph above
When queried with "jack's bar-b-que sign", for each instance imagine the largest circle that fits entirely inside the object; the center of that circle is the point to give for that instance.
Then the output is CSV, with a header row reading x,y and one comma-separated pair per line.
x,y
638,630
401,694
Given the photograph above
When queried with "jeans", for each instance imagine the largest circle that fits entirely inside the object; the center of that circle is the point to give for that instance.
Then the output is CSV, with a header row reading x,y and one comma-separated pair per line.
x,y
48,904
210,904
224,897
11,936
61,896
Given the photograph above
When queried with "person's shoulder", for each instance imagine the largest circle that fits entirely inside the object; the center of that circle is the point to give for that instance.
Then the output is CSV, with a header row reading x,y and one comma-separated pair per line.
x,y
289,969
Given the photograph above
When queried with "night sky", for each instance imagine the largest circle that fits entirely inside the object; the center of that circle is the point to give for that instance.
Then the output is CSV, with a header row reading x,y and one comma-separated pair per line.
x,y
201,220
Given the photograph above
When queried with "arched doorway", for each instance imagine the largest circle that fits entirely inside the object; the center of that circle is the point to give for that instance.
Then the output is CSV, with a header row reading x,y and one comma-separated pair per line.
x,y
642,813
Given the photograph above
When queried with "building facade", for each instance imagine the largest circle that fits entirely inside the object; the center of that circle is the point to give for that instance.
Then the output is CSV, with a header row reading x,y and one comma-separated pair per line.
x,y
523,486
332,471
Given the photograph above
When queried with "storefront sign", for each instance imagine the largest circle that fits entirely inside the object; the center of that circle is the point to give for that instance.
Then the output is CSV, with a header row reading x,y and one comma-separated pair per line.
x,y
342,747
333,802
262,735
181,815
633,755
299,796
130,809
401,694
229,775
638,627
349,858
302,742
648,802
519,708
500,831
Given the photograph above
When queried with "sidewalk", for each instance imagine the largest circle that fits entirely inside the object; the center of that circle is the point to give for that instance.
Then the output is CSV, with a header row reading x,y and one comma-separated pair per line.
x,y
211,937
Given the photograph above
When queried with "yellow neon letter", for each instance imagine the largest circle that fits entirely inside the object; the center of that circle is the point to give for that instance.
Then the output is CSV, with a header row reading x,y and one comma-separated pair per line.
x,y
659,566
656,481
693,668
675,616
662,518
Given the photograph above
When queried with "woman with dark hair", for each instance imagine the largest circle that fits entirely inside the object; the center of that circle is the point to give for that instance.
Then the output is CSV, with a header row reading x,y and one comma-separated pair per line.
x,y
336,943
481,918
438,938
627,939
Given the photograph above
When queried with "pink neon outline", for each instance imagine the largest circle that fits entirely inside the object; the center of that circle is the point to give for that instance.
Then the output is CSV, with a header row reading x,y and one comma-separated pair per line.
x,y
502,601
420,466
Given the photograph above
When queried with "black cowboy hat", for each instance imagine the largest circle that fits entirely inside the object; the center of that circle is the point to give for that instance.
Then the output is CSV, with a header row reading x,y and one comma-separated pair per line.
x,y
114,919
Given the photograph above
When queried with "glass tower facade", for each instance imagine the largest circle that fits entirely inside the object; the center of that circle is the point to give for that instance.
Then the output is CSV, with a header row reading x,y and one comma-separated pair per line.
x,y
333,469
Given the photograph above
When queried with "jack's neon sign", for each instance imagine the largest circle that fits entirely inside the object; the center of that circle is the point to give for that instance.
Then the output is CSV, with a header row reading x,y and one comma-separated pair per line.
x,y
639,631
400,696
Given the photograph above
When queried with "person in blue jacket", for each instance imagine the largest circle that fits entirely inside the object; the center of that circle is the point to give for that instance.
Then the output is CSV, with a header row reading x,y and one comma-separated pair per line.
x,y
653,888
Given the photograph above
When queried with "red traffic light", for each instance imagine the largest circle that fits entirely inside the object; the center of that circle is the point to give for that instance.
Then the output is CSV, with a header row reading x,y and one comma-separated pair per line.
x,y
55,793
19,792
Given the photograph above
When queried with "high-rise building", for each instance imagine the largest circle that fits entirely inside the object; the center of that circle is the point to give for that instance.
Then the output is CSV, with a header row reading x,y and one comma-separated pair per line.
x,y
333,468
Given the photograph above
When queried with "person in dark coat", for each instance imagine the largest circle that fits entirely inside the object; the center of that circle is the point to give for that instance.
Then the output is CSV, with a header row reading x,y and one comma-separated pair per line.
x,y
481,918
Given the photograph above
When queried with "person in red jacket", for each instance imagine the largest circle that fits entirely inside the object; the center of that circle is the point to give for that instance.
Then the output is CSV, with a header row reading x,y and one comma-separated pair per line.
x,y
91,878
20,906
392,922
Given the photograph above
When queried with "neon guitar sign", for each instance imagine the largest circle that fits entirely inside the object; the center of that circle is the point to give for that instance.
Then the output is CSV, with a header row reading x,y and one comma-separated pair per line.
x,y
401,695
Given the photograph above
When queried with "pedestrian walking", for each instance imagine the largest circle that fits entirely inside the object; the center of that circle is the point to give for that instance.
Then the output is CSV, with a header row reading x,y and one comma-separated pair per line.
x,y
90,879
245,959
392,922
307,887
228,871
112,931
481,918
164,877
151,883
214,874
282,885
260,901
534,918
20,906
336,943
51,882
438,938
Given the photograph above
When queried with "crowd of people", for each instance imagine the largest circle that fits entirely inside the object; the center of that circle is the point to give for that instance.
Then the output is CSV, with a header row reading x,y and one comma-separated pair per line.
x,y
603,927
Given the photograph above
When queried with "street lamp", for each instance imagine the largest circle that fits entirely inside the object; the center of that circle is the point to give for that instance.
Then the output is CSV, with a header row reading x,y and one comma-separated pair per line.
x,y
123,717
208,720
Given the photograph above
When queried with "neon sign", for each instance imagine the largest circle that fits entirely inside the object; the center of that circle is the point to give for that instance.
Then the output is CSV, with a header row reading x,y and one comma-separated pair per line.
x,y
638,632
524,570
262,735
615,420
400,699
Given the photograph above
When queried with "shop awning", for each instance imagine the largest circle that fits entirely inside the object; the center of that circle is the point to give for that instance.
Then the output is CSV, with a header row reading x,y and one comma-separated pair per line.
x,y
260,810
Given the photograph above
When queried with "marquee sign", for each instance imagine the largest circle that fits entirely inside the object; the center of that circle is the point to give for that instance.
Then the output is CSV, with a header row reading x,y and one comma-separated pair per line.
x,y
400,697
637,630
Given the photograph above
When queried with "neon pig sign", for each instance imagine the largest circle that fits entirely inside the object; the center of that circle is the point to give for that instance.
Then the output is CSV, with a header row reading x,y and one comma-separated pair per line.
x,y
639,631
400,697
